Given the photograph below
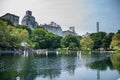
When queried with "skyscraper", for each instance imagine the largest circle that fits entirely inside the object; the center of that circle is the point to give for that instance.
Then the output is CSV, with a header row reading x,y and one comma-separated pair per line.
x,y
29,20
97,25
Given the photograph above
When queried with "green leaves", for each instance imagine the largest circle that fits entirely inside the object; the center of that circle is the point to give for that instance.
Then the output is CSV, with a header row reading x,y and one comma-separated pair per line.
x,y
115,44
44,39
97,39
107,40
4,35
11,36
86,43
39,38
18,36
71,42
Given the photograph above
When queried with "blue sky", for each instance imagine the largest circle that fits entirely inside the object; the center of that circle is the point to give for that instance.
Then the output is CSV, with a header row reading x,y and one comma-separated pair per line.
x,y
83,14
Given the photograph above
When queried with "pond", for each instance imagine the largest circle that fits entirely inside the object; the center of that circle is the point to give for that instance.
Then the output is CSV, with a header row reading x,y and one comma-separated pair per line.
x,y
64,66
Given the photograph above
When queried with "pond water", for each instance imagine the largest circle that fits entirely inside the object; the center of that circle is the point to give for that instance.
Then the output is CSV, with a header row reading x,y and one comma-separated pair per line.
x,y
70,66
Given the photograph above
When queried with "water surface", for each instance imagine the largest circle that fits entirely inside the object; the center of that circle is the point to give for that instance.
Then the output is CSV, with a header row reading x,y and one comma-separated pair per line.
x,y
70,66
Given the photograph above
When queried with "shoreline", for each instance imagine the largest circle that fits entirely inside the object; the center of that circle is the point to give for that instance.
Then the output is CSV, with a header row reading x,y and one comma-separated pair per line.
x,y
45,51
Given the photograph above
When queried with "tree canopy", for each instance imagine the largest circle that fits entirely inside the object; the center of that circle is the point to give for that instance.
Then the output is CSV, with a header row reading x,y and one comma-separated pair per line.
x,y
107,41
70,42
86,43
39,38
44,39
11,36
115,44
97,39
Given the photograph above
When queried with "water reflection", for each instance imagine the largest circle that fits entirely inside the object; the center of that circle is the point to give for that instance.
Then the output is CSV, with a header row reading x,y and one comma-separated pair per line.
x,y
49,67
60,67
69,63
100,66
11,66
115,59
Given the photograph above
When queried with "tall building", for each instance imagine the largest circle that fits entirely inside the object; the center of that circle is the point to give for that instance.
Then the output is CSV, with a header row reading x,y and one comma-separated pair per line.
x,y
97,25
53,27
12,18
71,31
29,20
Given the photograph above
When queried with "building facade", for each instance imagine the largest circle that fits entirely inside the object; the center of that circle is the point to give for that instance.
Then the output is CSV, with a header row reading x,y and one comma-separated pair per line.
x,y
87,34
29,20
71,31
53,27
12,18
97,26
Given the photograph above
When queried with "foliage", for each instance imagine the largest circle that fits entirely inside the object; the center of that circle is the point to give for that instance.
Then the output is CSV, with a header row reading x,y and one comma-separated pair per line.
x,y
70,42
86,43
24,27
97,39
11,36
4,35
44,39
17,36
115,44
39,38
107,40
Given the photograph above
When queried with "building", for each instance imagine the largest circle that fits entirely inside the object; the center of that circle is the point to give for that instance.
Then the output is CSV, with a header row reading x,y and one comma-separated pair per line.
x,y
29,20
71,31
87,34
97,25
53,27
12,18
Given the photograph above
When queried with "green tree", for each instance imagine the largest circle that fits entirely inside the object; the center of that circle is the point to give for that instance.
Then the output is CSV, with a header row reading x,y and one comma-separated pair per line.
x,y
17,36
4,35
97,39
115,44
107,40
25,27
86,43
38,38
70,41
44,39
11,36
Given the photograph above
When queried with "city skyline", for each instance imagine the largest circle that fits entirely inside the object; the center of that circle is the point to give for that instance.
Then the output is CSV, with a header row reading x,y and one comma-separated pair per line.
x,y
81,14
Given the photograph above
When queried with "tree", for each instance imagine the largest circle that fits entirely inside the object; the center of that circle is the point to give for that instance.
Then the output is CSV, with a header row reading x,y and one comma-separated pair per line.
x,y
24,27
107,40
97,39
44,39
38,38
4,35
70,41
11,36
17,36
86,43
115,44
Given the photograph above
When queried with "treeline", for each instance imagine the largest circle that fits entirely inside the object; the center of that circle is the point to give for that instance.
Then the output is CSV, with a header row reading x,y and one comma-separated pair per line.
x,y
39,38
